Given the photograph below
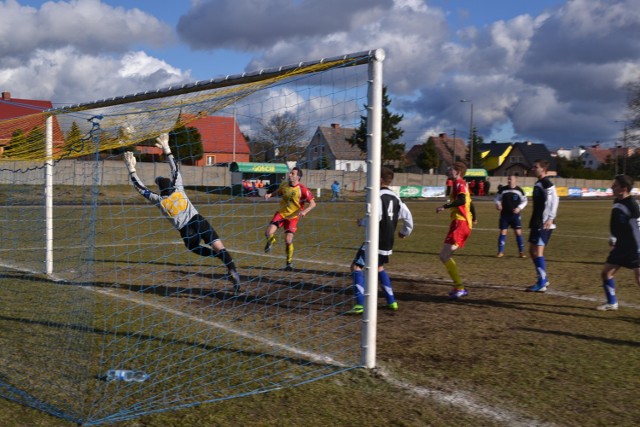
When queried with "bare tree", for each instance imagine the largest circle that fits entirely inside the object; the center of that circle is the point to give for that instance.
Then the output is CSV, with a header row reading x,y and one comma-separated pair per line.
x,y
283,136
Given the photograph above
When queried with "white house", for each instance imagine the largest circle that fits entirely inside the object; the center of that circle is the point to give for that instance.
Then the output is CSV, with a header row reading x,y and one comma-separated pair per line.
x,y
329,149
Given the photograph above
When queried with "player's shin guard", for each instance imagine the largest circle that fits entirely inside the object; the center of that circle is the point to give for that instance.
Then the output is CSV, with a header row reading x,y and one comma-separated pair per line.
x,y
385,281
541,270
289,251
609,286
520,242
452,269
502,239
358,286
226,259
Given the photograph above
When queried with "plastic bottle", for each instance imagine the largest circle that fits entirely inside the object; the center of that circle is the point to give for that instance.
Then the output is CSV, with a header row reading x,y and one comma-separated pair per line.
x,y
126,375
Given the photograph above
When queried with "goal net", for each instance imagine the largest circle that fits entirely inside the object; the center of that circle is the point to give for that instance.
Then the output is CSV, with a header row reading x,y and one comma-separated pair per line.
x,y
94,280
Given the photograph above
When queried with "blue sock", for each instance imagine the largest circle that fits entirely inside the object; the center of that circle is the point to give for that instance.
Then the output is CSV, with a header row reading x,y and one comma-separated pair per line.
x,y
609,286
358,286
541,270
385,281
520,241
501,241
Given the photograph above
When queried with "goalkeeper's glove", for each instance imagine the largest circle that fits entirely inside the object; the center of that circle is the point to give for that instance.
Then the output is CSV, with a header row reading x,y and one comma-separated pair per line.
x,y
130,161
163,143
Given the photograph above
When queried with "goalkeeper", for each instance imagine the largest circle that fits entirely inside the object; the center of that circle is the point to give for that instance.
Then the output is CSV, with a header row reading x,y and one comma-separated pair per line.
x,y
175,205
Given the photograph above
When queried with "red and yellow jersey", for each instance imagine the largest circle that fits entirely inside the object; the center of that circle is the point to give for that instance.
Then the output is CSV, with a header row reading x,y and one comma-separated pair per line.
x,y
462,212
293,199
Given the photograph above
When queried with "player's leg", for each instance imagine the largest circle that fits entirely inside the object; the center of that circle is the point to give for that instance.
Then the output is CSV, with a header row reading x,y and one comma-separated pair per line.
x,y
270,233
517,227
502,237
358,281
385,282
537,242
609,286
290,228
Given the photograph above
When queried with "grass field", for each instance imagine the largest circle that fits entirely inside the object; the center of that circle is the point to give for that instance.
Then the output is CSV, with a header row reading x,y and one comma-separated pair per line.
x,y
500,357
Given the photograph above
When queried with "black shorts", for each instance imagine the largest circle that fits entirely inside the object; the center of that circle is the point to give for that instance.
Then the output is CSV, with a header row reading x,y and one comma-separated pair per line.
x,y
540,236
360,259
198,228
623,258
510,220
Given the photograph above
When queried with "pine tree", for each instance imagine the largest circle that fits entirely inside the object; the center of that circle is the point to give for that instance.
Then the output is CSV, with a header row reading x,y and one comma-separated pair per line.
x,y
390,132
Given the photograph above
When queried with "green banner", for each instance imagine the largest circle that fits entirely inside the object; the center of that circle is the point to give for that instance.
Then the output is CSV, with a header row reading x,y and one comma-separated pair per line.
x,y
410,191
258,167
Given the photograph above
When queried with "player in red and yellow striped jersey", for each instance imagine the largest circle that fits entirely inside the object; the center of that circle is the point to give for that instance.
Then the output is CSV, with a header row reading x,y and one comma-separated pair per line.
x,y
294,196
462,218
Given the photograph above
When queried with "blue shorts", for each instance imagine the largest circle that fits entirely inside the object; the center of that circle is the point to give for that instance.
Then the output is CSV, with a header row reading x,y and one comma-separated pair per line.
x,y
540,236
510,220
359,260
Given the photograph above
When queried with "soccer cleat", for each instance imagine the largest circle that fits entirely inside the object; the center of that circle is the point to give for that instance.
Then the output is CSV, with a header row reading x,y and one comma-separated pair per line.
x,y
356,309
537,288
458,293
393,306
607,307
522,255
270,241
500,255
289,267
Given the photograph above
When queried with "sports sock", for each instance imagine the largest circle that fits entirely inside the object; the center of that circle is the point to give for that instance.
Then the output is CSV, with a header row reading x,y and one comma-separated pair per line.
x,y
289,251
501,241
358,286
226,259
452,269
609,286
541,270
520,241
385,281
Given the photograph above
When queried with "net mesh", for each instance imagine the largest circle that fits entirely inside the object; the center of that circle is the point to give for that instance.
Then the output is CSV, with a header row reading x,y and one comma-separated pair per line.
x,y
126,294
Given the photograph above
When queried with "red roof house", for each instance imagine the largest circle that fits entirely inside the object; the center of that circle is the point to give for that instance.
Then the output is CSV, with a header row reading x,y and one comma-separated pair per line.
x,y
222,140
25,112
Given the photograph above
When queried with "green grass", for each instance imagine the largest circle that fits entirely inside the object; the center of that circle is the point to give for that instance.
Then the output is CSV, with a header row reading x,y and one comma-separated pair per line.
x,y
500,357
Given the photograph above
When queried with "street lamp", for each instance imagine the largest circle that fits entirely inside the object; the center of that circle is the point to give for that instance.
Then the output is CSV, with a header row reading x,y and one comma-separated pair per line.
x,y
624,146
470,131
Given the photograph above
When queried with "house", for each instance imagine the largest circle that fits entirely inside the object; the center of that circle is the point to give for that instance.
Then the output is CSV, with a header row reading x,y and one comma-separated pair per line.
x,y
521,157
329,149
494,154
222,140
571,154
594,157
22,115
449,150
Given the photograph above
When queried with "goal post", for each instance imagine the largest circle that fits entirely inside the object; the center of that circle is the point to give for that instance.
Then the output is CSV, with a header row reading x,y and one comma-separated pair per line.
x,y
118,288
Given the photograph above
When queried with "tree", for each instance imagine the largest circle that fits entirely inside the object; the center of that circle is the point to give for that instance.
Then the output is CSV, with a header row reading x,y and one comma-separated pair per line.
x,y
186,143
633,103
73,142
26,145
283,137
477,159
390,132
428,158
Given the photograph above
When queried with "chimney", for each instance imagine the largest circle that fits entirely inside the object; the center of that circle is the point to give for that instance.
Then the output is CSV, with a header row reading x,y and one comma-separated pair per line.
x,y
335,125
6,96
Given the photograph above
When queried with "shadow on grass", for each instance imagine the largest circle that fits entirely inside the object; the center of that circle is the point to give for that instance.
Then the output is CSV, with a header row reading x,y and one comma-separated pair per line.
x,y
583,337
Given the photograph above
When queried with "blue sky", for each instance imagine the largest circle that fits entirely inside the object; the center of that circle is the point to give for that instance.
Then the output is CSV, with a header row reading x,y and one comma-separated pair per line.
x,y
550,71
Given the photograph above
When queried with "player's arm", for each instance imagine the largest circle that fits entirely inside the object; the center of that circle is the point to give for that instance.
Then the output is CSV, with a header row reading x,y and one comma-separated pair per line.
x,y
407,221
498,201
460,200
472,208
130,162
551,207
523,199
305,211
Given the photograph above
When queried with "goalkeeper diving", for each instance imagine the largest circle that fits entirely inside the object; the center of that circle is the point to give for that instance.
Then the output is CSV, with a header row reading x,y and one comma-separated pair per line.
x,y
177,208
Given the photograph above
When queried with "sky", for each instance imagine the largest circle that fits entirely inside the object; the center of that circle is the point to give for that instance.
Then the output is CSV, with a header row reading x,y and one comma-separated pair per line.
x,y
546,71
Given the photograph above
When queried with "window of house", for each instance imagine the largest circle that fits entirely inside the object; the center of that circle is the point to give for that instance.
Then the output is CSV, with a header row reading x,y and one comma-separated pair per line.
x,y
348,167
211,160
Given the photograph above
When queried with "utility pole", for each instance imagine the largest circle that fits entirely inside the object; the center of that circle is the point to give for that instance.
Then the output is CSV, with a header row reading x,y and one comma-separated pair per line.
x,y
624,148
470,131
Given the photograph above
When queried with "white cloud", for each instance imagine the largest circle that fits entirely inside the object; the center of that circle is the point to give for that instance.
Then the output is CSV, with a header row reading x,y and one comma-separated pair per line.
x,y
80,50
